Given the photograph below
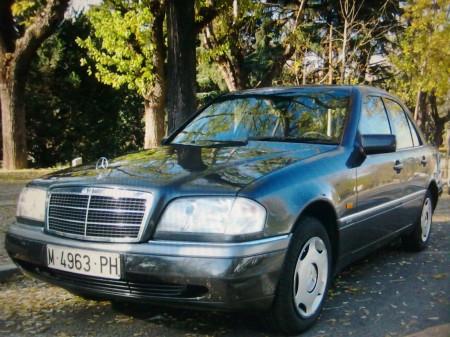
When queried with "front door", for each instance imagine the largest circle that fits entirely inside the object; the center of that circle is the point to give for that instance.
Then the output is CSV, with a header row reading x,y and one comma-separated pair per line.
x,y
380,180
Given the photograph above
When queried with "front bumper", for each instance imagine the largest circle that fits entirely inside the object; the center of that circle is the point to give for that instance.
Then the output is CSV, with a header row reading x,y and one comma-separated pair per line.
x,y
226,276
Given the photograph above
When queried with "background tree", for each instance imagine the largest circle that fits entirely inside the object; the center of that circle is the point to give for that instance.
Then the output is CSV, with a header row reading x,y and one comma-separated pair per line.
x,y
422,63
338,41
24,25
126,49
144,56
248,41
185,18
71,114
181,61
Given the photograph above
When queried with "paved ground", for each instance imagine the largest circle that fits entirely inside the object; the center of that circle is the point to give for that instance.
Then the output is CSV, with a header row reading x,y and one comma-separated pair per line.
x,y
391,293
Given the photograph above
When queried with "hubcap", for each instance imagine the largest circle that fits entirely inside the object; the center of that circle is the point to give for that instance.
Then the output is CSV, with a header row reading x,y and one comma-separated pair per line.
x,y
310,277
426,219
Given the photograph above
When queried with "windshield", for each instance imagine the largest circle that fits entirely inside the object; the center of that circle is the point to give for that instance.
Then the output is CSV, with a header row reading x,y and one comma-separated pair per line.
x,y
307,117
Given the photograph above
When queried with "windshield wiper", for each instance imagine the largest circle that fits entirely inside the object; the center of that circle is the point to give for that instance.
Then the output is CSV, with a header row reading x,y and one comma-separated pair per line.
x,y
293,139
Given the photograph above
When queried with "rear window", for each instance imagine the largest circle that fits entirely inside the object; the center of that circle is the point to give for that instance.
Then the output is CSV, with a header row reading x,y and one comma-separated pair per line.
x,y
414,134
400,124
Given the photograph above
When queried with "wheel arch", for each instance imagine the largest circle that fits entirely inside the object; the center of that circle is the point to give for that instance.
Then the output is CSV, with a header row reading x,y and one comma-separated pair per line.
x,y
434,190
324,211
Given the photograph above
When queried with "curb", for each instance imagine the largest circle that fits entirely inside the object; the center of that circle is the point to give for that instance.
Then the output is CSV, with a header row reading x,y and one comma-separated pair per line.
x,y
434,331
8,270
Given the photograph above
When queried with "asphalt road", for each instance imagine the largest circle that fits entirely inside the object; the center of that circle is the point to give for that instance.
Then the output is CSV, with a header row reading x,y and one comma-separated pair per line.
x,y
390,293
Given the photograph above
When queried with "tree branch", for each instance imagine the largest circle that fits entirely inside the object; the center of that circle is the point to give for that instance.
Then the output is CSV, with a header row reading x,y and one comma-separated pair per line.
x,y
43,26
289,50
208,14
7,32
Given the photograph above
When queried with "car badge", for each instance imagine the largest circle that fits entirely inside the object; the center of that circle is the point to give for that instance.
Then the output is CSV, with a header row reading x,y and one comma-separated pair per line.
x,y
102,164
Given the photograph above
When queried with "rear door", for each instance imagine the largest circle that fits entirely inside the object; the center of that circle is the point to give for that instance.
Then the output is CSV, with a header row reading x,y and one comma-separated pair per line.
x,y
423,160
413,157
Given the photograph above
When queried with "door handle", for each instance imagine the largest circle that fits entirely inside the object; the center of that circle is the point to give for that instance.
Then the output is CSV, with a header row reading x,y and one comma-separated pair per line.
x,y
398,166
424,161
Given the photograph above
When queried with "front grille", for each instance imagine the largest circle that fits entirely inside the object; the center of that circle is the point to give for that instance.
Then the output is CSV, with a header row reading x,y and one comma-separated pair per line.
x,y
120,286
98,214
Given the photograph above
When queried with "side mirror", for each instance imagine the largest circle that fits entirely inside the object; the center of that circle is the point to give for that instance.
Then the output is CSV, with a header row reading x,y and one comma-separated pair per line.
x,y
373,144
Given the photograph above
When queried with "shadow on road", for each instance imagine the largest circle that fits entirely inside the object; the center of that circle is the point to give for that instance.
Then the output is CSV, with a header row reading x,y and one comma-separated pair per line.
x,y
194,321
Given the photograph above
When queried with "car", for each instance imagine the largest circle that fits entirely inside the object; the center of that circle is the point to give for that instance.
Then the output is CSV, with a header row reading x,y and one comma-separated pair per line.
x,y
255,203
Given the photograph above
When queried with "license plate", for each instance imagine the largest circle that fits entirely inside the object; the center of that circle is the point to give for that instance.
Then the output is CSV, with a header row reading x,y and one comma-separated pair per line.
x,y
86,262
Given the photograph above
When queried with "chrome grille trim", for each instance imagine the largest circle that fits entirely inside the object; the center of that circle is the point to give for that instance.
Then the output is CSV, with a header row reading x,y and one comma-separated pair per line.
x,y
117,215
98,209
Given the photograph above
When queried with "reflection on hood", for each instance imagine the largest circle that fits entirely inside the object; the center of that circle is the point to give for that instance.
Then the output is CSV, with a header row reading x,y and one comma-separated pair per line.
x,y
180,165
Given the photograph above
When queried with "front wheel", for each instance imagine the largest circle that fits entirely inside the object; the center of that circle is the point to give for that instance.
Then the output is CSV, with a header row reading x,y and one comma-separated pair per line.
x,y
305,278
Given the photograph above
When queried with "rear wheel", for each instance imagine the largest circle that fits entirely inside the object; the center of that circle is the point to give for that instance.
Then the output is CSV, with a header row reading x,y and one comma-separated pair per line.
x,y
418,239
305,278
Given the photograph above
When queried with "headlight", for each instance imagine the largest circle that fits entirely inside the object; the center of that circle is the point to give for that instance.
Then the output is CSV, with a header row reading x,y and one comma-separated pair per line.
x,y
213,215
31,204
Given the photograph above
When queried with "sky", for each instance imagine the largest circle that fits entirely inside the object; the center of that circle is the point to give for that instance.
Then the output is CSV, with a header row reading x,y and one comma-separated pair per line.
x,y
78,5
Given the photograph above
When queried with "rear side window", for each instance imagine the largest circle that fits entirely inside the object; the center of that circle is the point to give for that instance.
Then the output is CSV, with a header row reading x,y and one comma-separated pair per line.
x,y
414,134
399,124
374,120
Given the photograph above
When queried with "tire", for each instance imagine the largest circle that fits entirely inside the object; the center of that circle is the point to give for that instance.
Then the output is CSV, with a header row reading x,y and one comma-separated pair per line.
x,y
289,313
418,239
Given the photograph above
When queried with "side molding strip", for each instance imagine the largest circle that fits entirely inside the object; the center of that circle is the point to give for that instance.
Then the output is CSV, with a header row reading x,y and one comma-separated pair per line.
x,y
355,217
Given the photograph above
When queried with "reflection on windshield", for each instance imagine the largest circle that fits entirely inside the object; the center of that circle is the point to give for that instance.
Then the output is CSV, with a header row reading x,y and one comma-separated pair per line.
x,y
316,116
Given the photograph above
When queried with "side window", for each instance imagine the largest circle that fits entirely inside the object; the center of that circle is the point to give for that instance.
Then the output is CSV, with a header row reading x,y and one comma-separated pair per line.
x,y
414,134
399,124
373,117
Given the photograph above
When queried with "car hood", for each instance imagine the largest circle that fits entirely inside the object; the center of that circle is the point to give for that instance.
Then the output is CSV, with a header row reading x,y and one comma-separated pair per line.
x,y
187,167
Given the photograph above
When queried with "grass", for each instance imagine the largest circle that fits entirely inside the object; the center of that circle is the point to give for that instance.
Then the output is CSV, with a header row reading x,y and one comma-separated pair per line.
x,y
12,176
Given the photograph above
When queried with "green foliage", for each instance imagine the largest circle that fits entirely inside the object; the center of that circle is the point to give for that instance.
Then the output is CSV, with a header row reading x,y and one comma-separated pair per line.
x,y
368,31
252,40
70,113
208,79
120,45
422,61
25,10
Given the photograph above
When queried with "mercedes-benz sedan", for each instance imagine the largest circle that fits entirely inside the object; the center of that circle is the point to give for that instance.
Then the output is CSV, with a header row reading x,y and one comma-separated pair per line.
x,y
256,202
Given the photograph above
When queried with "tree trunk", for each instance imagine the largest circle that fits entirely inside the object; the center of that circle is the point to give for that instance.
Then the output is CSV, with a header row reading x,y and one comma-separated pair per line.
x,y
330,55
419,110
344,53
231,72
13,125
438,122
181,61
232,79
154,103
154,123
16,53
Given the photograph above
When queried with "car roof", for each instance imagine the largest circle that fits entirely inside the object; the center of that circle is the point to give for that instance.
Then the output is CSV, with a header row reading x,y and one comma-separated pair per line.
x,y
286,90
